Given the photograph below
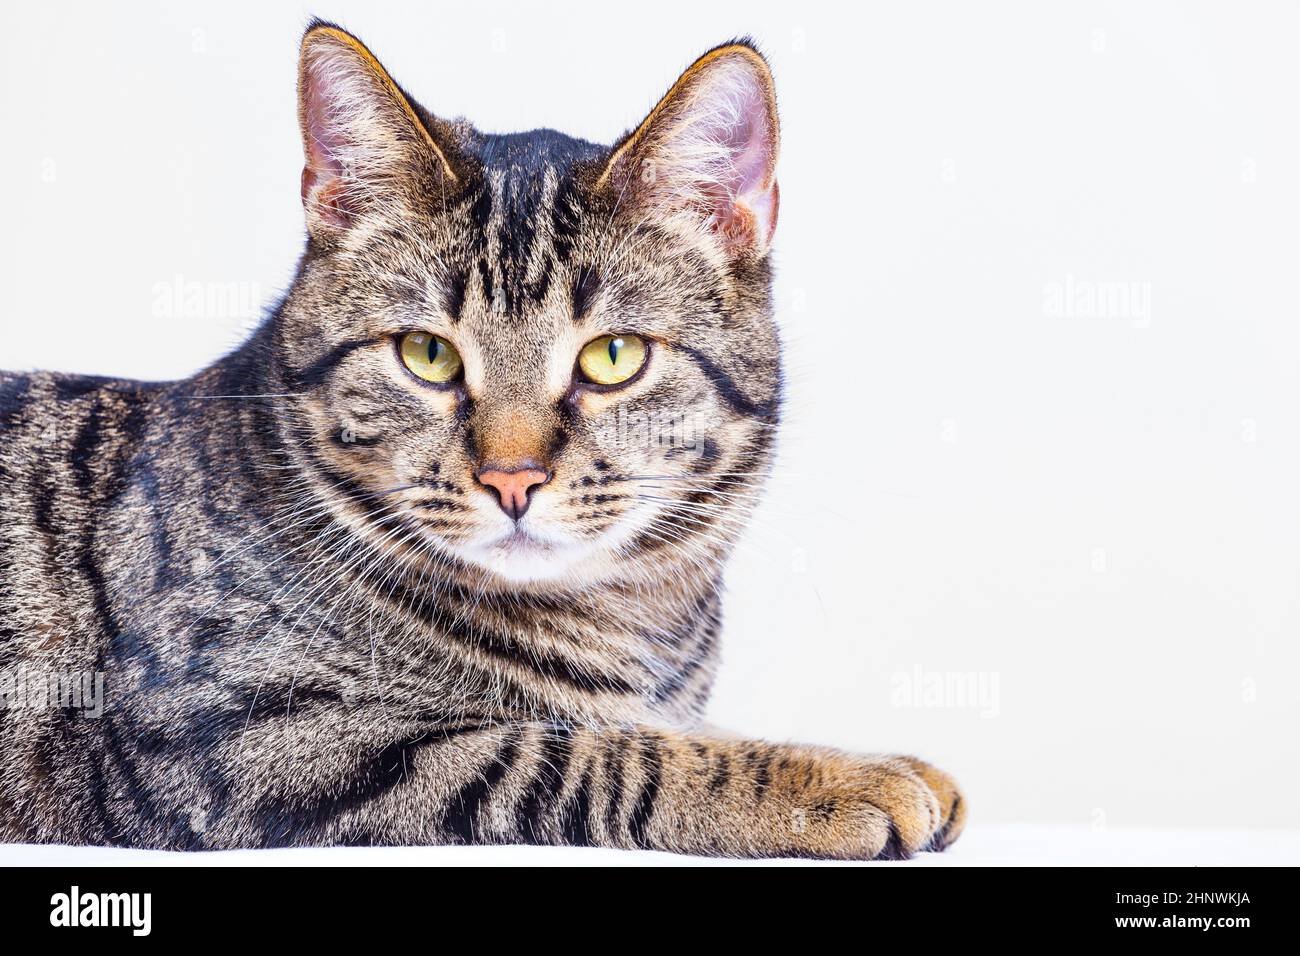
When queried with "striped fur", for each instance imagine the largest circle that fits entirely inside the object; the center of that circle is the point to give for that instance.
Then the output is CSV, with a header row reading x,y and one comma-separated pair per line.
x,y
310,630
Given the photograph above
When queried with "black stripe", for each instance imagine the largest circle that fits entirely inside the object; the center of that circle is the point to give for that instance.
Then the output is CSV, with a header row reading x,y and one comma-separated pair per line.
x,y
427,608
13,393
760,767
585,287
651,767
464,421
686,625
481,211
547,784
709,455
208,727
731,394
722,774
701,653
438,504
453,293
42,493
575,825
172,827
568,425
940,840
535,292
298,819
350,492
69,388
316,373
460,818
51,750
552,666
356,441
83,451
485,280
96,494
614,778
566,219
893,848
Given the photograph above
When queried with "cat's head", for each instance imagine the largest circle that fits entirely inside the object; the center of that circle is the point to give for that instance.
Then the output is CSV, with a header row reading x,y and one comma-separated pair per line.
x,y
550,359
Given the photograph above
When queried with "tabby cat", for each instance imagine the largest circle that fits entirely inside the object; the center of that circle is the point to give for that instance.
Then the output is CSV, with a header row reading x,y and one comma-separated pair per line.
x,y
428,560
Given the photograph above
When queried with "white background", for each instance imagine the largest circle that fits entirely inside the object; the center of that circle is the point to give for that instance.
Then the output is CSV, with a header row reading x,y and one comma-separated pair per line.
x,y
1095,514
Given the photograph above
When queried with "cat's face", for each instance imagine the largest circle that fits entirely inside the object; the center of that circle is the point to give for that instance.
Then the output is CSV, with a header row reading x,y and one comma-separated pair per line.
x,y
542,357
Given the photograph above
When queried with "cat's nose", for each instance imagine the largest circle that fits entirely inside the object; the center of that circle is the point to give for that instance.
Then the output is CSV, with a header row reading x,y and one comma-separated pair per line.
x,y
513,486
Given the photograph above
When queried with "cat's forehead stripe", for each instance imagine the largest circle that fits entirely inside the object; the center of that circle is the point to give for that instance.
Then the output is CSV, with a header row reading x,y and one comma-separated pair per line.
x,y
527,215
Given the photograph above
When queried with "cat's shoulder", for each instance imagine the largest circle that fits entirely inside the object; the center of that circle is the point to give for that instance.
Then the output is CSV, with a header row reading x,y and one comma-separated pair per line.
x,y
38,399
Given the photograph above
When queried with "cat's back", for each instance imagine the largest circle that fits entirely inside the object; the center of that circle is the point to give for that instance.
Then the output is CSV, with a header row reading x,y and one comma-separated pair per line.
x,y
66,445
54,425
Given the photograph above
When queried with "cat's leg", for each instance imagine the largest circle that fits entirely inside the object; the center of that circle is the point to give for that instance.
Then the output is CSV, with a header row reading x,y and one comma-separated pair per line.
x,y
661,790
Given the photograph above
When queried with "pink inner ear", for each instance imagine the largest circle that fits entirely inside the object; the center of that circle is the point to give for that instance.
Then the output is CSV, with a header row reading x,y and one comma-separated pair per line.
x,y
324,183
751,145
753,185
730,143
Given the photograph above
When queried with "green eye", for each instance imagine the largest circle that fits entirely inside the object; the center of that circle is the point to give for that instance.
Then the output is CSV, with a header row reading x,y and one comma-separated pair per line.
x,y
612,359
430,357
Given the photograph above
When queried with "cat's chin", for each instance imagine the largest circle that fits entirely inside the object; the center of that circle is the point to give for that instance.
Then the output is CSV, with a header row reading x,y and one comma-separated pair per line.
x,y
523,558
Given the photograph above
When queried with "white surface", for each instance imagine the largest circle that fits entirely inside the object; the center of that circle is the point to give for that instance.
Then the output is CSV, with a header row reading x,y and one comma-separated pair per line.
x,y
1096,515
993,845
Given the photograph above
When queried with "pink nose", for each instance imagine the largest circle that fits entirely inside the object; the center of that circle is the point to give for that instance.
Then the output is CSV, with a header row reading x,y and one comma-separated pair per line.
x,y
513,486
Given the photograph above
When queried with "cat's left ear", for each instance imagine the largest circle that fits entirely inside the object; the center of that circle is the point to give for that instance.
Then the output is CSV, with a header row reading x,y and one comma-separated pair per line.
x,y
367,150
706,155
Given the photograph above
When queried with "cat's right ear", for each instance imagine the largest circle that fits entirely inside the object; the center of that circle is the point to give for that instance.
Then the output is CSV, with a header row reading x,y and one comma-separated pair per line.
x,y
367,152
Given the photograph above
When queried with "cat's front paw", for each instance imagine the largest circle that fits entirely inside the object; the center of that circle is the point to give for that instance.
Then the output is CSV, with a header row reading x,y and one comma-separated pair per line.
x,y
883,808
952,809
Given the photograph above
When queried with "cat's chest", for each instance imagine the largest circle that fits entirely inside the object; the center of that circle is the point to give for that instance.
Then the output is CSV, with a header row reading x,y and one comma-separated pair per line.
x,y
546,663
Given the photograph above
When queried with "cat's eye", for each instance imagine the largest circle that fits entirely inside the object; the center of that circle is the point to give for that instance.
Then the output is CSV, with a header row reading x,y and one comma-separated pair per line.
x,y
612,359
430,357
